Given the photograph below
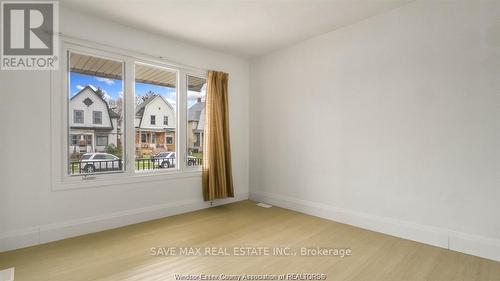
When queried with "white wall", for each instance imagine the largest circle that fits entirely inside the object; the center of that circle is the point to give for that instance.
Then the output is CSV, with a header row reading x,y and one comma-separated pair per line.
x,y
30,212
392,124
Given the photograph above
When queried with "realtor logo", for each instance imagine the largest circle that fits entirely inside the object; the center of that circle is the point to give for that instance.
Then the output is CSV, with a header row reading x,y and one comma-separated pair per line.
x,y
29,35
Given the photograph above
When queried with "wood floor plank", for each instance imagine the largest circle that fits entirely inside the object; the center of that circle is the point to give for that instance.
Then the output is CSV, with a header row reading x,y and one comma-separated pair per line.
x,y
124,253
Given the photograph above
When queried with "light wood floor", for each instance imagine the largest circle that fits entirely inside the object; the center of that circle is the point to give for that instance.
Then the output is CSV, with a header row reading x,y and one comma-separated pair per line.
x,y
124,253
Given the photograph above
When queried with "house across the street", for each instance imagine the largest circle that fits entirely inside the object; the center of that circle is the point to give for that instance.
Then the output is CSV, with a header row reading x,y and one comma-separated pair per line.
x,y
196,126
93,125
155,121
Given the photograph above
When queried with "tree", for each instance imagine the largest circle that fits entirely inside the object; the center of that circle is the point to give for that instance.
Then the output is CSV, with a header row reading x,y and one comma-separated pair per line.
x,y
115,150
100,92
148,95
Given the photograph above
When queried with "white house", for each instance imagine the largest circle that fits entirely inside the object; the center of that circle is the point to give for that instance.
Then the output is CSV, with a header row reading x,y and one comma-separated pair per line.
x,y
155,123
93,125
196,126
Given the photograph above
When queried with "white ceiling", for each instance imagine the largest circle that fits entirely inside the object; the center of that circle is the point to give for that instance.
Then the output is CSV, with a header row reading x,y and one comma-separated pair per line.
x,y
242,28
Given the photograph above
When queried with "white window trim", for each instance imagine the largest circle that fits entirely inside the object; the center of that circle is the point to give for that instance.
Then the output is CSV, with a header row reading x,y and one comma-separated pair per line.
x,y
194,74
97,142
93,117
59,119
74,116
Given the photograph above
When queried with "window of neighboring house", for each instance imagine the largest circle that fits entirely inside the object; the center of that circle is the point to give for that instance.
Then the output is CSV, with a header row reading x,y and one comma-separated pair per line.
x,y
78,116
196,119
74,139
97,117
156,95
169,140
144,138
101,140
88,139
94,83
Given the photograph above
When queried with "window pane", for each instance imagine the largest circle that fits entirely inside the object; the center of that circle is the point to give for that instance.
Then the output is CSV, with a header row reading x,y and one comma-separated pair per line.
x,y
95,116
196,119
78,116
102,141
156,101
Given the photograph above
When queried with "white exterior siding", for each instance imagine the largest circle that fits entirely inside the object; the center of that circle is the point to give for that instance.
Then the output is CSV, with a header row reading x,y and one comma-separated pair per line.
x,y
76,103
108,126
159,108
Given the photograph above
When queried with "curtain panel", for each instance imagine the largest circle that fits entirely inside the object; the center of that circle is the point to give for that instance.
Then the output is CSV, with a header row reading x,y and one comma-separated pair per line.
x,y
217,177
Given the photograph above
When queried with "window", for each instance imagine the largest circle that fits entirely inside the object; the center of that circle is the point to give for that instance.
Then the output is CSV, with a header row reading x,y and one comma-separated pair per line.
x,y
97,117
78,116
74,139
101,140
156,95
88,139
196,119
95,89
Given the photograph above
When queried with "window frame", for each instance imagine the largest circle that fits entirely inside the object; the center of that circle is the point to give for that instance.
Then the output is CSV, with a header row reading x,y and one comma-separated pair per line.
x,y
94,117
74,137
178,90
186,154
167,137
74,116
97,140
61,180
89,140
152,120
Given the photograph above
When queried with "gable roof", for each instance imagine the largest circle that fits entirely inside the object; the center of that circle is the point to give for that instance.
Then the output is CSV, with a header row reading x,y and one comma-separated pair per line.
x,y
139,110
201,122
111,113
195,111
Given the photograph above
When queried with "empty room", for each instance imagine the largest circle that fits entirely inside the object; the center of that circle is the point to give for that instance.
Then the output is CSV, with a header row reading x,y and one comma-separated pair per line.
x,y
155,140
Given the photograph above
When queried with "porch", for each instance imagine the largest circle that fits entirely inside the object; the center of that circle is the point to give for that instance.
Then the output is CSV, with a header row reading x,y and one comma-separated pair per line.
x,y
151,142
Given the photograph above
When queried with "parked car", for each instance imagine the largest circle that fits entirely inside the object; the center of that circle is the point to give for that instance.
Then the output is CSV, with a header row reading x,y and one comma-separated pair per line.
x,y
99,162
164,159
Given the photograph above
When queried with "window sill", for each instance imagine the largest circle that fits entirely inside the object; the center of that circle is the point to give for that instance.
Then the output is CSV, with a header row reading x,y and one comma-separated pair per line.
x,y
100,180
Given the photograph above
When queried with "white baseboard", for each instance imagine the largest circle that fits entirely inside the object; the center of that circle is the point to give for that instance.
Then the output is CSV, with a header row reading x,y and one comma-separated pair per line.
x,y
461,242
475,245
51,232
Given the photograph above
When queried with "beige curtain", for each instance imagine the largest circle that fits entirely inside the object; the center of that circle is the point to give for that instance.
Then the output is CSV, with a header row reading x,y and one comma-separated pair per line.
x,y
217,174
